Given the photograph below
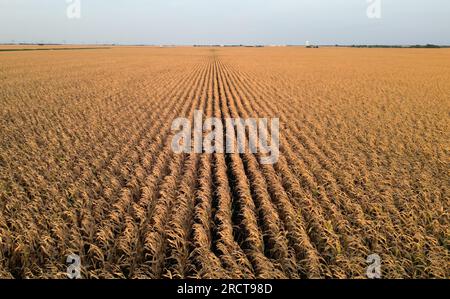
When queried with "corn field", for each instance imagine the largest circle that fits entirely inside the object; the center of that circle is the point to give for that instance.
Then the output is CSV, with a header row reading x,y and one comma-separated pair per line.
x,y
86,165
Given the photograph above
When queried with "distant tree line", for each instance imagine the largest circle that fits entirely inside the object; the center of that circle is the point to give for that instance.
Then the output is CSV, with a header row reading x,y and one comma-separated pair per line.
x,y
427,46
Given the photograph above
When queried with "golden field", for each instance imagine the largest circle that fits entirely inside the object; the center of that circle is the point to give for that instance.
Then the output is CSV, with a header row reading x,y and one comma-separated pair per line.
x,y
86,165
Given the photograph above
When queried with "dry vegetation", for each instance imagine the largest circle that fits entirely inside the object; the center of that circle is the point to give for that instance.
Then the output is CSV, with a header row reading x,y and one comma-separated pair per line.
x,y
86,165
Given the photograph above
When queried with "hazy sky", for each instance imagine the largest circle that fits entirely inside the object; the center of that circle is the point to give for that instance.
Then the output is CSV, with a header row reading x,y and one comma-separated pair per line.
x,y
226,22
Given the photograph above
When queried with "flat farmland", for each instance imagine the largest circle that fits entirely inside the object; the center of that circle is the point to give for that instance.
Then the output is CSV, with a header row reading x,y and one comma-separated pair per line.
x,y
87,165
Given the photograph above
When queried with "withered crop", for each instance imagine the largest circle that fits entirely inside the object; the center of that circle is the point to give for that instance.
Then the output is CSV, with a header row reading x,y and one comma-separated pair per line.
x,y
86,165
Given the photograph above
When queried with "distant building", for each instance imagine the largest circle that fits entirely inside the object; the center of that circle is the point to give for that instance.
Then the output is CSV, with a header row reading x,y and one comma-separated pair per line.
x,y
308,45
